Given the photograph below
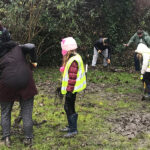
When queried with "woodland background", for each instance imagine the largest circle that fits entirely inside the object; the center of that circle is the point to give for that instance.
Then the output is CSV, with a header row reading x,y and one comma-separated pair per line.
x,y
46,22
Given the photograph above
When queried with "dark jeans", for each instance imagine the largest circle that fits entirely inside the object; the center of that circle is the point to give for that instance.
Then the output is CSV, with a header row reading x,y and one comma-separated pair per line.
x,y
146,79
26,113
69,105
136,62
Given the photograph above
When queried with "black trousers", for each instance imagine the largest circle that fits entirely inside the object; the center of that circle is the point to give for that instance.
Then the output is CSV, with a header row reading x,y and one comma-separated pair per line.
x,y
146,79
26,113
136,62
69,105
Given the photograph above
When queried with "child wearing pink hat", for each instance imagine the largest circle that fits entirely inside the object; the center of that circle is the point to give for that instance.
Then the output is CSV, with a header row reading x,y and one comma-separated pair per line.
x,y
73,81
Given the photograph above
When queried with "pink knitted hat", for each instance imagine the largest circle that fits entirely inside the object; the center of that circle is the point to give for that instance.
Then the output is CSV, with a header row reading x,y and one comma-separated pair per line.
x,y
68,44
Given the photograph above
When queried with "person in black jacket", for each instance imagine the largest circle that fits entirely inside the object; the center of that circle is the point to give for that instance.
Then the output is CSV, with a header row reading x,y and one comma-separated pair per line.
x,y
17,83
4,34
102,46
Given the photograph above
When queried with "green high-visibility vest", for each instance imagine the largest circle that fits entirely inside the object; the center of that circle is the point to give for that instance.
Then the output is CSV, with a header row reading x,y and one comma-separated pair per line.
x,y
81,78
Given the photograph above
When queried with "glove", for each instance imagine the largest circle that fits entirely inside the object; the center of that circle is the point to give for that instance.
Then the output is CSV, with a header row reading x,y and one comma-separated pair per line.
x,y
99,51
69,95
34,64
62,69
125,45
108,61
141,77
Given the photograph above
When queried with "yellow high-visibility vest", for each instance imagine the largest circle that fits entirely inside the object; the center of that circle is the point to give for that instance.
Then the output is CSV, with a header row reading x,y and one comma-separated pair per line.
x,y
81,78
148,63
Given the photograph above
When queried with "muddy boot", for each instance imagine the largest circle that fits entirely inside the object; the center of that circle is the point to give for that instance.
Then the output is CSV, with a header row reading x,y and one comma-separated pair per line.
x,y
146,97
27,142
93,67
67,128
73,126
7,141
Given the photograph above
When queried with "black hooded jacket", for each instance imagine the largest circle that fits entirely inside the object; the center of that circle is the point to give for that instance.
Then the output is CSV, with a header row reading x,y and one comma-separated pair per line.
x,y
14,69
100,46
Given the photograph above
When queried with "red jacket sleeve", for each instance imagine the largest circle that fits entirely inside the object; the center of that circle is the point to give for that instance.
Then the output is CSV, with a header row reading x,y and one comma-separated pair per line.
x,y
73,70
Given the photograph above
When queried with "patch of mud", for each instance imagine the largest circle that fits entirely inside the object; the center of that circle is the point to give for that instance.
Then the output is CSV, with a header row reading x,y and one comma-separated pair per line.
x,y
111,68
94,88
131,124
50,88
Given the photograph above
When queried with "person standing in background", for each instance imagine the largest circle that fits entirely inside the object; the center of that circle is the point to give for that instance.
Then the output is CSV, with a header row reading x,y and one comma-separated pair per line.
x,y
140,36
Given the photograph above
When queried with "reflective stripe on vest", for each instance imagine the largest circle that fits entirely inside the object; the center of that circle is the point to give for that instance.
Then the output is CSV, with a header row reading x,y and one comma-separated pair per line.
x,y
149,63
81,78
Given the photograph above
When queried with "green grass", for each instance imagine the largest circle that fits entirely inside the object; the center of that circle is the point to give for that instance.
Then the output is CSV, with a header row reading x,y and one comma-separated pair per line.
x,y
93,110
44,74
112,77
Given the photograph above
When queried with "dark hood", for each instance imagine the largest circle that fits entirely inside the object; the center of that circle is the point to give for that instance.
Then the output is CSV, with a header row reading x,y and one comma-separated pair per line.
x,y
6,47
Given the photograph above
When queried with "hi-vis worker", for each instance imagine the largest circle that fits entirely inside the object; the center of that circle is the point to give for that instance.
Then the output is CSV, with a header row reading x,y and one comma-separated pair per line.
x,y
145,71
74,80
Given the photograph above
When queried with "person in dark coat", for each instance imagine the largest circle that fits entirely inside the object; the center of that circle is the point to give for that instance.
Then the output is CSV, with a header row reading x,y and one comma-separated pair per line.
x,y
16,84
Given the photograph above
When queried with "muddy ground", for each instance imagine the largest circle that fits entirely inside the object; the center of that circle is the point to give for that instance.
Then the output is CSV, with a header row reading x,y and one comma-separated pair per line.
x,y
128,124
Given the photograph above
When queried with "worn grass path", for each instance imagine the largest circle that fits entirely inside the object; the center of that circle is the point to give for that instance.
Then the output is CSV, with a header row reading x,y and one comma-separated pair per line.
x,y
111,114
